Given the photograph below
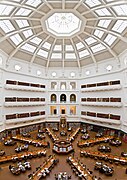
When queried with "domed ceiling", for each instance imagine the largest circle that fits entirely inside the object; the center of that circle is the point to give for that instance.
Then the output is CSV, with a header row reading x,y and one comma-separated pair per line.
x,y
63,33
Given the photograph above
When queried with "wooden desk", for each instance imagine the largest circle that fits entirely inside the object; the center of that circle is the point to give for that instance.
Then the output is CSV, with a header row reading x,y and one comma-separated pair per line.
x,y
8,158
54,137
72,136
47,164
94,141
80,169
30,141
104,156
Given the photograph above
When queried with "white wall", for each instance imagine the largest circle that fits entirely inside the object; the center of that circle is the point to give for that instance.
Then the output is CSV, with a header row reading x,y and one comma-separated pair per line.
x,y
97,74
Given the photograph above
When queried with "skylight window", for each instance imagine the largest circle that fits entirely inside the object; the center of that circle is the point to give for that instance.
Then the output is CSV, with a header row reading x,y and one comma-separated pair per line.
x,y
63,24
58,48
46,45
28,33
43,53
69,48
98,48
103,12
92,3
98,33
7,26
36,40
28,47
16,39
5,10
104,23
79,45
22,23
83,53
110,39
56,56
23,12
121,9
70,56
90,40
34,3
120,26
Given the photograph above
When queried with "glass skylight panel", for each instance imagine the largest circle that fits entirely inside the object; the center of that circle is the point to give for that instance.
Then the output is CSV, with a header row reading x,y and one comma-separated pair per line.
x,y
92,3
7,26
121,9
63,24
28,33
70,56
103,12
5,9
58,48
79,45
110,39
120,26
43,53
98,48
98,33
46,45
83,53
33,3
56,56
104,23
23,12
16,39
22,23
90,40
36,40
69,48
28,47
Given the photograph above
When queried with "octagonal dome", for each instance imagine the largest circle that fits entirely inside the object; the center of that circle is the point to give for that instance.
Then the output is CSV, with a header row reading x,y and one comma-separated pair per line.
x,y
101,31
63,24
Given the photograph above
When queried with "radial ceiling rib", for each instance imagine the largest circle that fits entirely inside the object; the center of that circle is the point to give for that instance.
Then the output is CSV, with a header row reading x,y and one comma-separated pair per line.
x,y
104,6
50,53
47,3
102,42
18,5
35,53
108,31
79,3
63,4
18,31
77,56
21,44
93,58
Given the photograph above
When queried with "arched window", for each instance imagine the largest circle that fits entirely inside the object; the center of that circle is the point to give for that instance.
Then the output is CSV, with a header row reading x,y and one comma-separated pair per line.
x,y
72,98
53,98
62,98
